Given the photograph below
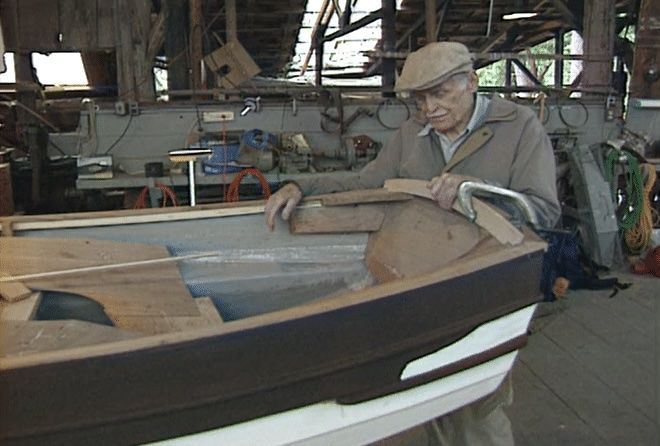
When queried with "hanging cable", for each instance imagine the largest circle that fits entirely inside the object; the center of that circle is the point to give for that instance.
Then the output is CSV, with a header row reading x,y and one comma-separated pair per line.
x,y
168,196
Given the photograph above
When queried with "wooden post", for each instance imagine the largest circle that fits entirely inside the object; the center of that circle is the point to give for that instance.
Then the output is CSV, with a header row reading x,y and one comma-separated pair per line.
x,y
196,35
388,24
598,34
431,20
645,79
6,190
176,49
135,79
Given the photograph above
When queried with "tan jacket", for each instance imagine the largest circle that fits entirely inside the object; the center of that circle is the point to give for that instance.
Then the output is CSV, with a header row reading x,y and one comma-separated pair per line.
x,y
510,149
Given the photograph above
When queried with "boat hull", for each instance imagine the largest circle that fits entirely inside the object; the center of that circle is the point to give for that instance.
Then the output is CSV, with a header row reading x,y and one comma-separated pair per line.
x,y
350,352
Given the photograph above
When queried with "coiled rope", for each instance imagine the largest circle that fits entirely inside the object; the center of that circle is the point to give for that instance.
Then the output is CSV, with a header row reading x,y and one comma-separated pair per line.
x,y
232,191
638,236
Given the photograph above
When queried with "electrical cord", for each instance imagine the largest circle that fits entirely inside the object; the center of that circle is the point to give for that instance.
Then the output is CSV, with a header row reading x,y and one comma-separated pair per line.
x,y
168,196
388,102
232,193
114,144
565,121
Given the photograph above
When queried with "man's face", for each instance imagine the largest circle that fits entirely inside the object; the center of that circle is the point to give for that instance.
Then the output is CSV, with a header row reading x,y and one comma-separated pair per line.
x,y
448,106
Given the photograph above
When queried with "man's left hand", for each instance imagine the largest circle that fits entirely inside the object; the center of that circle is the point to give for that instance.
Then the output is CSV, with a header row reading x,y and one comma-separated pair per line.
x,y
444,188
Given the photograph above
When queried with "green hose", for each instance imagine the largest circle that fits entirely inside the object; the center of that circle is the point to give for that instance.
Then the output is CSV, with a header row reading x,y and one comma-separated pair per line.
x,y
634,186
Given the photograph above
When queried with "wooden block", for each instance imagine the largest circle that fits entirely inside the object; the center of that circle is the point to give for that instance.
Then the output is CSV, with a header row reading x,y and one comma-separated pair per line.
x,y
151,325
14,291
336,220
208,311
23,310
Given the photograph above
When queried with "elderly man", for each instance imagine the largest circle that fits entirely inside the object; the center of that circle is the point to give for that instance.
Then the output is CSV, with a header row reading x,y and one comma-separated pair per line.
x,y
456,136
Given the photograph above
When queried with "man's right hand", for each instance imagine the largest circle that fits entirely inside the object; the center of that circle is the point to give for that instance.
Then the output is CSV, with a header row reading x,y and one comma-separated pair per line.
x,y
285,200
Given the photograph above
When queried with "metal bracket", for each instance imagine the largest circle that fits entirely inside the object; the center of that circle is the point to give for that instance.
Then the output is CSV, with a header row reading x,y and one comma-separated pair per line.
x,y
468,188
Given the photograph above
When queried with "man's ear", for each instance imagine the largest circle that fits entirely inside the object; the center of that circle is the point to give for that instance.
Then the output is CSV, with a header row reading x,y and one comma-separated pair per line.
x,y
473,82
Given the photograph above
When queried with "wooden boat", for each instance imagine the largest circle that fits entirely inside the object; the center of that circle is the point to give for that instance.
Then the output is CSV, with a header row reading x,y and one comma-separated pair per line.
x,y
373,312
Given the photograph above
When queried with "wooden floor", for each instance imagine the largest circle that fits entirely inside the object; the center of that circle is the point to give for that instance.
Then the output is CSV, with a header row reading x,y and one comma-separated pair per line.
x,y
588,375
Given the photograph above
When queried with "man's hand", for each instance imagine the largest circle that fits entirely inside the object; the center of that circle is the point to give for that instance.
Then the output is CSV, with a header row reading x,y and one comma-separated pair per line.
x,y
444,188
285,200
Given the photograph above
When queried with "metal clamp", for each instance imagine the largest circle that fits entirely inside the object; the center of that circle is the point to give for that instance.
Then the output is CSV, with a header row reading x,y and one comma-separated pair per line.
x,y
468,188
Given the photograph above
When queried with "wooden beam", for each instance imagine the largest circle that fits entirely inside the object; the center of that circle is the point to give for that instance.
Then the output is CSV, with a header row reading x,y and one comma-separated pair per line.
x,y
644,82
195,41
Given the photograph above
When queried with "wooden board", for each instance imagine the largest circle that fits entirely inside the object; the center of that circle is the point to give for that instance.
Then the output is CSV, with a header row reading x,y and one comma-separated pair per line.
x,y
30,337
152,290
151,325
360,196
400,248
336,219
487,217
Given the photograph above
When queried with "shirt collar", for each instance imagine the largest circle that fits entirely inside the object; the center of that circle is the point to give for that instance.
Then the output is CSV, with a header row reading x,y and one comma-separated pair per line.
x,y
480,105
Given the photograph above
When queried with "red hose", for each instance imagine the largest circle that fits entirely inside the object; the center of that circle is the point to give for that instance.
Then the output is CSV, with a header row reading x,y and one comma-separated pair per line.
x,y
168,195
232,192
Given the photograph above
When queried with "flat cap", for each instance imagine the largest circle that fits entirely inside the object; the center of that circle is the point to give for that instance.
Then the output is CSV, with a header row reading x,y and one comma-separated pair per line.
x,y
433,64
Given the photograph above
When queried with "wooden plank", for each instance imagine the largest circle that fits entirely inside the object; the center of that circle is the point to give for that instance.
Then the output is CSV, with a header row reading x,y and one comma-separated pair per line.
x,y
487,217
625,338
592,354
540,418
398,249
14,287
151,290
30,337
153,325
127,217
582,390
360,196
336,220
23,310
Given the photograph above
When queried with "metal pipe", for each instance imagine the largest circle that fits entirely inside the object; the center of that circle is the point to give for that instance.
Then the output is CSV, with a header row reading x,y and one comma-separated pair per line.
x,y
469,188
490,18
191,182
